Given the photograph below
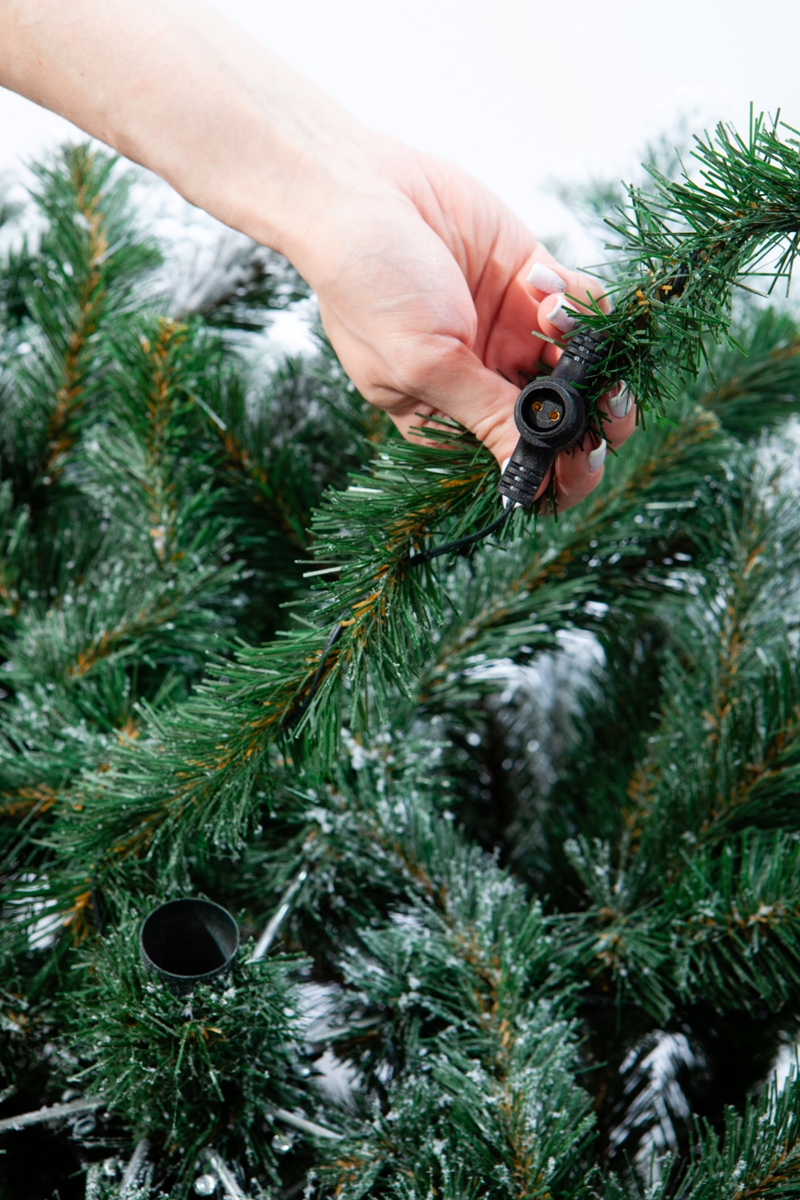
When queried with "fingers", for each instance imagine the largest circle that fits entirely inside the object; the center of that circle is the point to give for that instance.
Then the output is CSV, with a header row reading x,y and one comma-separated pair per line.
x,y
561,296
579,471
447,378
558,292
546,277
444,376
458,385
542,297
621,409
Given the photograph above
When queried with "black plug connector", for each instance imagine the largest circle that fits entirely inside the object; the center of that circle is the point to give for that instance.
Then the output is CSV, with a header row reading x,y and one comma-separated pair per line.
x,y
550,415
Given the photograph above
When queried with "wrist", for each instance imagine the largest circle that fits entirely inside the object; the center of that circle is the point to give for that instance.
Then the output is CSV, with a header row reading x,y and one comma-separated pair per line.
x,y
315,161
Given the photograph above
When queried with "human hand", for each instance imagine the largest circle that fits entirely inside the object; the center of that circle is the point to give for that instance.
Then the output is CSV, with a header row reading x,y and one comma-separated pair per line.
x,y
422,277
420,271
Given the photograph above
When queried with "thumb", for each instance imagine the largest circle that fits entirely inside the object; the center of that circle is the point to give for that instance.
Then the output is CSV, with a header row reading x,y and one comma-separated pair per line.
x,y
448,378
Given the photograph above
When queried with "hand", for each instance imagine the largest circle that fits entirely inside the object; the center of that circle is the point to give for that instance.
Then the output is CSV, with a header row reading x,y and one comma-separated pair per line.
x,y
421,275
420,271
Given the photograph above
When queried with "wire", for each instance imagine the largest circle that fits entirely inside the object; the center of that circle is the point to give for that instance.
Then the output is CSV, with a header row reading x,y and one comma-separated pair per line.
x,y
461,544
331,641
416,560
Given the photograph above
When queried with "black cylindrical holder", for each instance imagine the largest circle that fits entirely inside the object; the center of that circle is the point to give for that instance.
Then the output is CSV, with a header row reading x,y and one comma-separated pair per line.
x,y
186,942
550,415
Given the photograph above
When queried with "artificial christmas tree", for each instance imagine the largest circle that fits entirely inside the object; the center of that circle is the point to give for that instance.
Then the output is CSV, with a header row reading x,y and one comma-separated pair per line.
x,y
518,820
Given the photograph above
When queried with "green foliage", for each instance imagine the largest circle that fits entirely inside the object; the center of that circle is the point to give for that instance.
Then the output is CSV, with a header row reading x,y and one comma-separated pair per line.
x,y
170,1067
84,276
440,1130
546,797
248,284
686,243
750,394
483,1083
759,1156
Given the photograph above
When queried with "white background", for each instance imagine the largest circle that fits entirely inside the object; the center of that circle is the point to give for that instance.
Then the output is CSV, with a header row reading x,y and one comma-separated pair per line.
x,y
518,91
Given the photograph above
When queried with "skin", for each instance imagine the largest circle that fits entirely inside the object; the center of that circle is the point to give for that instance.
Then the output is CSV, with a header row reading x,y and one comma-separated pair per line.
x,y
420,271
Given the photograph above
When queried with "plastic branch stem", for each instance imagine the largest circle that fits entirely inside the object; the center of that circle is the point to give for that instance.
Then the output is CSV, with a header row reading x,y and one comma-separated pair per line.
x,y
51,1112
274,925
229,1184
134,1167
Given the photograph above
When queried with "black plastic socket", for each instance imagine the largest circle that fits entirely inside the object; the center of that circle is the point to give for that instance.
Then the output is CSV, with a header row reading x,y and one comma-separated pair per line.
x,y
188,941
550,415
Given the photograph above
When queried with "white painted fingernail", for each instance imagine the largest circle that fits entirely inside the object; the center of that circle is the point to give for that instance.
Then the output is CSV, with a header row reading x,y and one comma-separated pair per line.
x,y
597,457
561,316
504,464
620,406
545,280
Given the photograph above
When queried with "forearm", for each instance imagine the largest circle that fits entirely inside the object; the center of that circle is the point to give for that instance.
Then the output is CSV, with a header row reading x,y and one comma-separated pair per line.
x,y
419,270
175,86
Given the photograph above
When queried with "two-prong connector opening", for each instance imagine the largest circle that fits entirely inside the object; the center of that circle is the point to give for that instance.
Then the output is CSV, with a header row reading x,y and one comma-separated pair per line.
x,y
550,416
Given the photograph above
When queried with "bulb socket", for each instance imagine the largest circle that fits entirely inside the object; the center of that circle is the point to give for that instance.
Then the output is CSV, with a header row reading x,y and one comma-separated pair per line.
x,y
550,413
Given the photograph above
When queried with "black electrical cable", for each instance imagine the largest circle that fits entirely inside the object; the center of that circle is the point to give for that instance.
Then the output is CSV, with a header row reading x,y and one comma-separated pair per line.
x,y
330,642
461,544
456,547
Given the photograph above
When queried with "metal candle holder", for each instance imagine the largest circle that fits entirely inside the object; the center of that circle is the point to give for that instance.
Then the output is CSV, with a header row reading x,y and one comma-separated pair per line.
x,y
190,941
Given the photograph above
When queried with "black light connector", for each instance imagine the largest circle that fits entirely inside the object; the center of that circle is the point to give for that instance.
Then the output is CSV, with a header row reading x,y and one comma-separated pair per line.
x,y
551,415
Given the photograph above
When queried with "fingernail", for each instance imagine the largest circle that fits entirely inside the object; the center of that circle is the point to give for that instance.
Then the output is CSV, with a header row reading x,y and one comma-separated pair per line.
x,y
597,457
545,280
620,406
504,464
560,315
